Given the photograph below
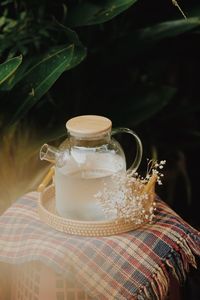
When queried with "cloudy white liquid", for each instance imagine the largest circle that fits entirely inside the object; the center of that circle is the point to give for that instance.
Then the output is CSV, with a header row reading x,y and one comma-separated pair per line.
x,y
78,183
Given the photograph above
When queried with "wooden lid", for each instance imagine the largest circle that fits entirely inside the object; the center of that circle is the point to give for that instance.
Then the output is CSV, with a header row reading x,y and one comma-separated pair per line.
x,y
88,126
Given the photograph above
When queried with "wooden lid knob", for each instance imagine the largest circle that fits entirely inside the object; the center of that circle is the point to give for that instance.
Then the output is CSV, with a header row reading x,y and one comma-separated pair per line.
x,y
88,126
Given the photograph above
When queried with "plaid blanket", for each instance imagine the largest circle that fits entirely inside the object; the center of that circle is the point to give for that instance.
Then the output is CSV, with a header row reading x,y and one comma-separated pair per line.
x,y
134,265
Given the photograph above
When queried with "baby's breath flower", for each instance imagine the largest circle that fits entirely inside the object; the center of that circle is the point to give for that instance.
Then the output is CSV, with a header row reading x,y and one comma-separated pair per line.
x,y
126,199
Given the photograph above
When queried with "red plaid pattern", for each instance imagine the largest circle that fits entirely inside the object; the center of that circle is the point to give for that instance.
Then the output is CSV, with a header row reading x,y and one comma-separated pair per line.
x,y
133,265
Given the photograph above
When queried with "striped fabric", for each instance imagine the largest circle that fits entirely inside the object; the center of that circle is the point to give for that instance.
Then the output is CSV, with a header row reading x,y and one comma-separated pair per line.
x,y
134,265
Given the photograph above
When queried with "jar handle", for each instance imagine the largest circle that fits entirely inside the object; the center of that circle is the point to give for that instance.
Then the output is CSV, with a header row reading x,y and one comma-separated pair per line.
x,y
139,149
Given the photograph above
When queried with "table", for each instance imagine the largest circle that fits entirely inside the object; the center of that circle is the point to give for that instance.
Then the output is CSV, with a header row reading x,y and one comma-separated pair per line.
x,y
133,265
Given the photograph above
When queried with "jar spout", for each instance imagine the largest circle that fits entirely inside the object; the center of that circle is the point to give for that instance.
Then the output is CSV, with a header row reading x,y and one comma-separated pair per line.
x,y
49,153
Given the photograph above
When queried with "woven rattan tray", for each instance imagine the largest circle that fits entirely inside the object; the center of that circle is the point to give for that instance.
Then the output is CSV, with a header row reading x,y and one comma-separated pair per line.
x,y
49,215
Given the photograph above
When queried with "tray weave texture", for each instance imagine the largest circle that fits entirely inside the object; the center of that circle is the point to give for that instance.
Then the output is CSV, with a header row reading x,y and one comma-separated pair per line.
x,y
48,214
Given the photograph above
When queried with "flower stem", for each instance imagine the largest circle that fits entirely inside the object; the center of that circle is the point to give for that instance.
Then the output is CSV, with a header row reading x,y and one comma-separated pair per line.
x,y
179,8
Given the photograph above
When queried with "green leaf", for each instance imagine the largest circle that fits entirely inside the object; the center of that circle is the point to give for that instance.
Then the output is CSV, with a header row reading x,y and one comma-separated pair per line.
x,y
9,84
142,39
168,29
152,101
79,50
40,78
78,56
88,12
9,67
145,102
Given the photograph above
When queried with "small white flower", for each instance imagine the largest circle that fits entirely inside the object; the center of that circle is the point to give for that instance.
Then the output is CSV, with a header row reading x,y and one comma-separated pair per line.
x,y
127,199
163,162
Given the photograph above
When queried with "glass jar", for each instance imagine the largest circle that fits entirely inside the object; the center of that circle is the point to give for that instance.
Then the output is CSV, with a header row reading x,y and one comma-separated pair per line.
x,y
85,164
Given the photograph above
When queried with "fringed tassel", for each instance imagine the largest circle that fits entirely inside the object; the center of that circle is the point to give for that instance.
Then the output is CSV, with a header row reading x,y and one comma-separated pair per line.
x,y
193,241
177,263
176,266
170,263
180,260
154,287
158,286
188,257
147,292
162,281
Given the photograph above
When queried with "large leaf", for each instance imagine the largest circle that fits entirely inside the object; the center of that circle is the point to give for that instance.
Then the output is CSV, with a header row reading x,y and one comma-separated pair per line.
x,y
78,55
142,39
79,50
152,102
40,78
9,67
96,12
145,102
168,29
17,75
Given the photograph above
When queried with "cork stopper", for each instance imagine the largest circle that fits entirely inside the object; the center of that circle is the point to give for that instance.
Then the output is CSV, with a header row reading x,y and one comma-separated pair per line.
x,y
88,126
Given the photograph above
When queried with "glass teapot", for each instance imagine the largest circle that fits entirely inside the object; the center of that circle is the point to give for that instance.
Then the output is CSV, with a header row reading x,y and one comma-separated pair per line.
x,y
85,163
